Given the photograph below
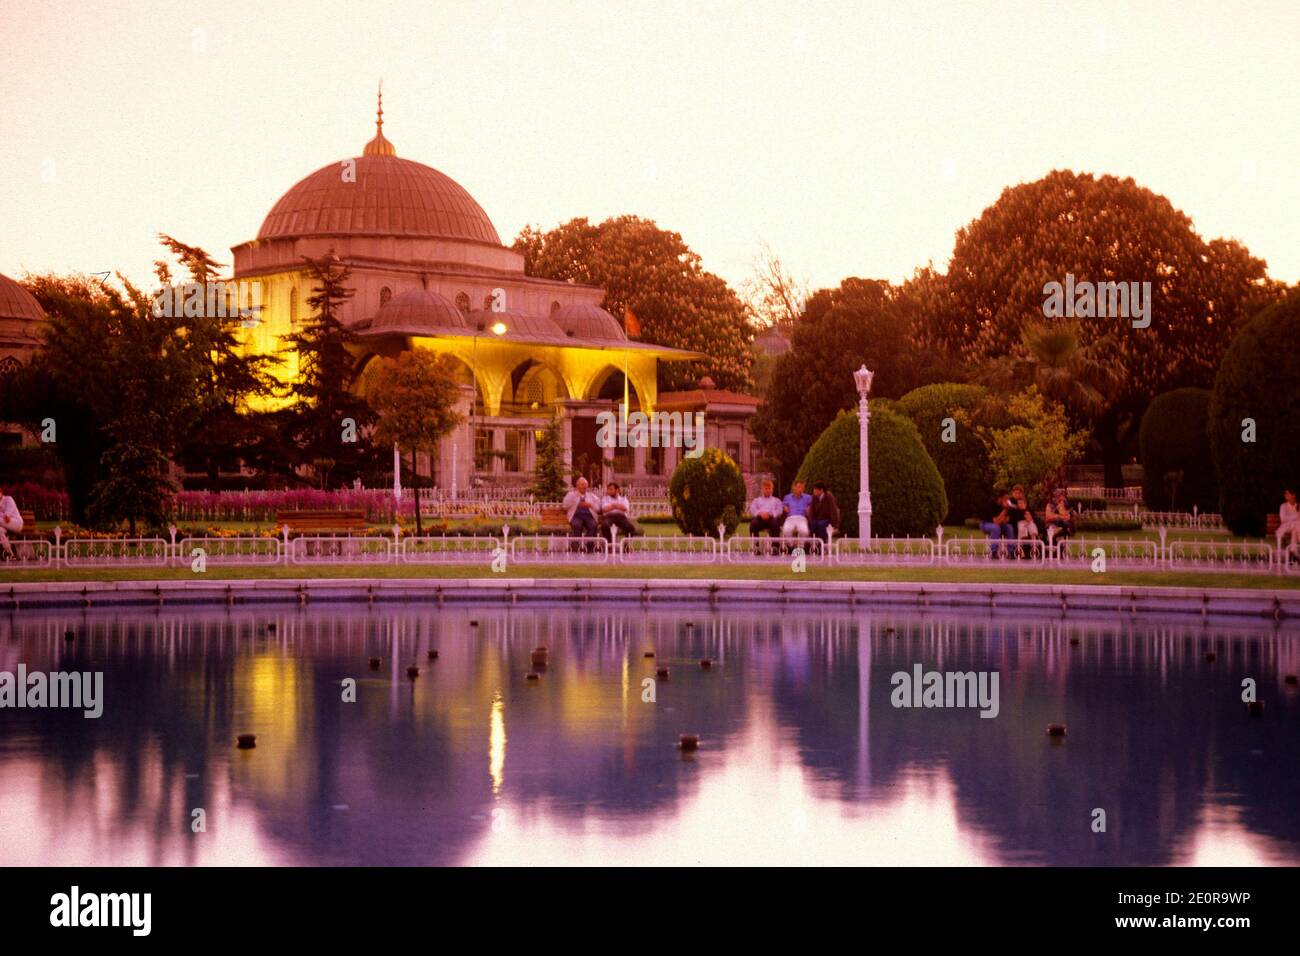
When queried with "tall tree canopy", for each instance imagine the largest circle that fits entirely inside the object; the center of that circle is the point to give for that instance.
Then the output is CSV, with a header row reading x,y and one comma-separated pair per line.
x,y
652,272
864,321
1102,229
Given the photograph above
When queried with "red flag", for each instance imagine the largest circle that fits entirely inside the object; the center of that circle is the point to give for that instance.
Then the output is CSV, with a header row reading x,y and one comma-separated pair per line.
x,y
630,325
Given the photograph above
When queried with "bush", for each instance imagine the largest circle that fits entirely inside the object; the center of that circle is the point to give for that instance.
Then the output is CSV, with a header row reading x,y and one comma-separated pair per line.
x,y
962,463
1099,523
705,492
1174,445
1258,380
907,495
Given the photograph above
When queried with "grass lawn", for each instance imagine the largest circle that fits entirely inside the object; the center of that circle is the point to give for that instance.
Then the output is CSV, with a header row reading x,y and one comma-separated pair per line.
x,y
776,572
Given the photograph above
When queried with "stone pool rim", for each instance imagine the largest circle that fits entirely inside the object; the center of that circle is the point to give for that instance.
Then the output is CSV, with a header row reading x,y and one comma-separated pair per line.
x,y
1267,603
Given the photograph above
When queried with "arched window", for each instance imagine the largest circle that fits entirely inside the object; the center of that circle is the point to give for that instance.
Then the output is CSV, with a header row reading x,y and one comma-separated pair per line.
x,y
555,307
487,301
462,302
384,295
293,306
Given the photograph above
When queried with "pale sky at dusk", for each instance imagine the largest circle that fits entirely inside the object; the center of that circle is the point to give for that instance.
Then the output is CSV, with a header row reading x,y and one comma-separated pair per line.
x,y
853,138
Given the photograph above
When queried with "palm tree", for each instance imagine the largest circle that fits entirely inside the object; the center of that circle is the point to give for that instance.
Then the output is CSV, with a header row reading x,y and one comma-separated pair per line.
x,y
1053,357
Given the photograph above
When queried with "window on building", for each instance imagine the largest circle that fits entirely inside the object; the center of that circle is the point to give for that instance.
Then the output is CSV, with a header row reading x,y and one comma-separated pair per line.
x,y
555,307
733,451
513,454
384,295
462,301
483,449
293,306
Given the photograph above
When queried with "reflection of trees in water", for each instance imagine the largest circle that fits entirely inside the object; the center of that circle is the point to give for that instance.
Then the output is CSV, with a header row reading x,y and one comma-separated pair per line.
x,y
1153,729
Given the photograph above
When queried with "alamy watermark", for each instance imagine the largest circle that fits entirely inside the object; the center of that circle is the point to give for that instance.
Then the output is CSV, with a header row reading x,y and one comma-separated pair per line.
x,y
194,300
655,430
82,690
923,688
1102,300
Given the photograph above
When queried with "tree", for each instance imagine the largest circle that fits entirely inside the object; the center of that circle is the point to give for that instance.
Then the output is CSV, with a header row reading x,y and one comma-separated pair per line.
x,y
119,385
328,420
1052,358
864,321
907,495
1030,445
655,275
775,298
414,399
1174,440
706,491
549,482
1101,229
1255,417
224,428
955,448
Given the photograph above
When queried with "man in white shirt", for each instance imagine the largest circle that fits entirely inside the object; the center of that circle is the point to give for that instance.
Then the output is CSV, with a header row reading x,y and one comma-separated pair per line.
x,y
1288,523
582,508
11,519
615,512
766,512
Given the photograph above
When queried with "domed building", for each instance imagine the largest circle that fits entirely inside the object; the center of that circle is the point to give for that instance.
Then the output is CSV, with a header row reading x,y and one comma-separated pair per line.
x,y
21,318
429,271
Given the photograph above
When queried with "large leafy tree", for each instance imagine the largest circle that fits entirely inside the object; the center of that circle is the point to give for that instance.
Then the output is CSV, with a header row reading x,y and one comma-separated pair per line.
x,y
414,399
864,321
1101,229
654,274
224,427
328,422
119,384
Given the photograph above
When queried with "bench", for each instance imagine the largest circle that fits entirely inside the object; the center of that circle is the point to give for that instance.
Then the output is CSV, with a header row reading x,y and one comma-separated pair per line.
x,y
554,520
321,522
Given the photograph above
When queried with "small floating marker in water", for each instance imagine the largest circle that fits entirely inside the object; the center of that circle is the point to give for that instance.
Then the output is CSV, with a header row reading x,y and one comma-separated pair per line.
x,y
539,658
69,635
413,672
662,673
689,742
473,623
532,675
890,632
1074,642
1255,708
690,624
1292,679
649,655
1056,730
246,741
706,662
433,655
271,627
374,663
1211,657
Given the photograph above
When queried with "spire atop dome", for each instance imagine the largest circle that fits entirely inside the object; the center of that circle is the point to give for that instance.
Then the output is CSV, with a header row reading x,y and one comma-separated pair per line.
x,y
379,146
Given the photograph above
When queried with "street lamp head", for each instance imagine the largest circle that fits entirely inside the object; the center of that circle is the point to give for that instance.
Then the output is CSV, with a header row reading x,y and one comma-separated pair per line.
x,y
499,328
862,378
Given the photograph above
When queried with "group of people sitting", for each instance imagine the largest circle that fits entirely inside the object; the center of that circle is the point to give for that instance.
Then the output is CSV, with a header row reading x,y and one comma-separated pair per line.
x,y
591,514
797,515
1009,518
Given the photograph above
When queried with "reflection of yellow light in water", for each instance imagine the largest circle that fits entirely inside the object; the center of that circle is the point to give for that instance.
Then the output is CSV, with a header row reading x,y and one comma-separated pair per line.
x,y
625,688
497,743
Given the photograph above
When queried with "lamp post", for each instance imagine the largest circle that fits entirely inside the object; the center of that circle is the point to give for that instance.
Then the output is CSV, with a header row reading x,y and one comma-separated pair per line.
x,y
862,379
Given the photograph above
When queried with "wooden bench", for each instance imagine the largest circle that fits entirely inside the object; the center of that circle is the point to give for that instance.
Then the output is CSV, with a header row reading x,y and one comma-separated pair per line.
x,y
1271,524
554,520
322,522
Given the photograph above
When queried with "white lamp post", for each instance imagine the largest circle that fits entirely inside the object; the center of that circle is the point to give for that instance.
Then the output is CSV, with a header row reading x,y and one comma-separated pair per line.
x,y
862,378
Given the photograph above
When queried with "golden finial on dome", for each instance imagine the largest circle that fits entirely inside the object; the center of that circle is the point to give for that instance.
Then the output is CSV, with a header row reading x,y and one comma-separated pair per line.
x,y
379,146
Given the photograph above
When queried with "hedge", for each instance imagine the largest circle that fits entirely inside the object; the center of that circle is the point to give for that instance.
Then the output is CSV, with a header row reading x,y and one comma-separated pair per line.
x,y
907,496
1174,445
705,492
962,463
1258,389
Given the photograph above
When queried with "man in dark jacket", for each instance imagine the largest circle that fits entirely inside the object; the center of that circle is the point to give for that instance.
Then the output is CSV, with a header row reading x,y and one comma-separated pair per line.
x,y
823,513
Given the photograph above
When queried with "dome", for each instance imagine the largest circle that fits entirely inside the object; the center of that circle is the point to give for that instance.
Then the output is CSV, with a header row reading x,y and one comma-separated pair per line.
x,y
586,321
17,303
390,197
418,312
531,328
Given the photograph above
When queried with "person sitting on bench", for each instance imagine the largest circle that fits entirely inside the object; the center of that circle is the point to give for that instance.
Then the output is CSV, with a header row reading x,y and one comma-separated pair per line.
x,y
616,512
11,519
1059,516
796,505
766,512
581,507
1288,523
823,513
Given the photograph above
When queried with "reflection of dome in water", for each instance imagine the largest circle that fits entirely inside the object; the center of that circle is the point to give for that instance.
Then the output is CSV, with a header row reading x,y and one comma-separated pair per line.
x,y
418,312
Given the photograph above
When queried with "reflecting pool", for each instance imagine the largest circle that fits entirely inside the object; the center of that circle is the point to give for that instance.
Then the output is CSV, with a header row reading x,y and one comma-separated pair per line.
x,y
803,757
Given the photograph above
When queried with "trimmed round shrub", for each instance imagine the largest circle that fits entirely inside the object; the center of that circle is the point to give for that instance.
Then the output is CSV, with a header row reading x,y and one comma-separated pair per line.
x,y
907,496
705,492
962,462
1257,395
1174,445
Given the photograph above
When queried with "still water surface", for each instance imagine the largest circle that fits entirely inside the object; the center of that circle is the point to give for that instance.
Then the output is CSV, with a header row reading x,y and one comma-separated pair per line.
x,y
803,759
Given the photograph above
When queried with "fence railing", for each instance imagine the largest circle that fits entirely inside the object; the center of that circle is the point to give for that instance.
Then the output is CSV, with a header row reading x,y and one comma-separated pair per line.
x,y
1081,553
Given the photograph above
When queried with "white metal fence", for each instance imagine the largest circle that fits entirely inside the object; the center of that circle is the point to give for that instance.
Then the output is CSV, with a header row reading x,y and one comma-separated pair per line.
x,y
1076,553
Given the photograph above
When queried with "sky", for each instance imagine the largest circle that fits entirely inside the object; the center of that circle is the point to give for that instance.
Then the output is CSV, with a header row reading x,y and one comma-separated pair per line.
x,y
850,139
